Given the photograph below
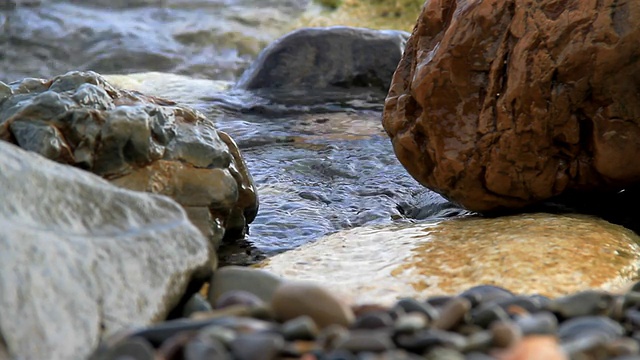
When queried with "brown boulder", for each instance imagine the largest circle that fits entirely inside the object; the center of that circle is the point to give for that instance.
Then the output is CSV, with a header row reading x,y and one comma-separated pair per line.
x,y
504,103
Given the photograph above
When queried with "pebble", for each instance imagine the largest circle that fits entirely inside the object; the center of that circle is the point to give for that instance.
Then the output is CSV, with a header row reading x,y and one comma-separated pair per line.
x,y
293,299
534,348
307,322
257,282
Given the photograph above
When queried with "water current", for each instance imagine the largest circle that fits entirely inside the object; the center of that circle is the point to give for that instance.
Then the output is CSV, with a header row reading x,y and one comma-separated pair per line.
x,y
318,169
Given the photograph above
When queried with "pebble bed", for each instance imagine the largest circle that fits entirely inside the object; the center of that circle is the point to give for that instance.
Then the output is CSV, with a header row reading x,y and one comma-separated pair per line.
x,y
296,320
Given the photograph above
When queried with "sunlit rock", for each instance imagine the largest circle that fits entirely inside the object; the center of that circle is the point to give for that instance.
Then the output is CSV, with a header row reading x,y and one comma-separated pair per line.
x,y
139,142
510,102
82,259
532,253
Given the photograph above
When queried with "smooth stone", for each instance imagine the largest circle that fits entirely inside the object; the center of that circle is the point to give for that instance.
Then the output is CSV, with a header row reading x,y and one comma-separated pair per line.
x,y
443,353
487,314
410,323
542,323
485,293
430,338
584,303
238,297
300,328
505,333
5,90
293,299
258,282
366,340
410,305
257,346
72,243
373,320
421,260
533,348
331,335
452,313
589,325
197,303
480,341
200,349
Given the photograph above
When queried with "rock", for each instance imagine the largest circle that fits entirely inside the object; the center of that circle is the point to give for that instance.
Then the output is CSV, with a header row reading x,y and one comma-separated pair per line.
x,y
138,142
293,299
82,259
531,253
501,104
326,64
236,278
534,348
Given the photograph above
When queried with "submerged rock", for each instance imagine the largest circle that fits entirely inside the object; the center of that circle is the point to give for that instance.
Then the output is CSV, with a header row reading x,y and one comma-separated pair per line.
x,y
316,65
506,103
138,142
82,259
533,253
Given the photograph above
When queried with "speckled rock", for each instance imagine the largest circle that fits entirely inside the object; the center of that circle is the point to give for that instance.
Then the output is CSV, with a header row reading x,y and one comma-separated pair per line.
x,y
326,64
138,142
532,253
82,259
505,103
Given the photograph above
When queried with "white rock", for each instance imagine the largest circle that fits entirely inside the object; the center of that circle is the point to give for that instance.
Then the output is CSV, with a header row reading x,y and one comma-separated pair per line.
x,y
81,258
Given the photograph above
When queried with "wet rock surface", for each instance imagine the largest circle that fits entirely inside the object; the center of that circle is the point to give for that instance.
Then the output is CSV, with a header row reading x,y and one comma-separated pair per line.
x,y
82,259
549,254
503,104
323,65
138,142
449,329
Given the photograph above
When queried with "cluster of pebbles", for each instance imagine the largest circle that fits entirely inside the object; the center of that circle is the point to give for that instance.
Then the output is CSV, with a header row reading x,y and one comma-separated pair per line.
x,y
253,315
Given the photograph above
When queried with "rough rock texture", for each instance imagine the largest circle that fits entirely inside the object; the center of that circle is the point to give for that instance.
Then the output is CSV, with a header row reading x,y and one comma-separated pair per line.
x,y
138,142
504,103
312,60
82,258
533,253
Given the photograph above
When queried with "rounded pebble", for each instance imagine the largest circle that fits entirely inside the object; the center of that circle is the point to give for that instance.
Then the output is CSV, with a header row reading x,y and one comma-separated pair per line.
x,y
452,313
293,299
300,328
238,297
258,282
257,346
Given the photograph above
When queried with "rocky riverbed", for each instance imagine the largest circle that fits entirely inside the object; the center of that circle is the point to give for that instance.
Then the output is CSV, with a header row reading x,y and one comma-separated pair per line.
x,y
166,137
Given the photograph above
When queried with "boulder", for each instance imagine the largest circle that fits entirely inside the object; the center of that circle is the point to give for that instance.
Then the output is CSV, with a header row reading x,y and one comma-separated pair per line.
x,y
326,64
138,142
541,253
82,259
504,103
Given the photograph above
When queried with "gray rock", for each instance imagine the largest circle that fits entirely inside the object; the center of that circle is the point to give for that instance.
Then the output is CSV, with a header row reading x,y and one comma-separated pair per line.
x,y
260,283
138,142
322,63
82,259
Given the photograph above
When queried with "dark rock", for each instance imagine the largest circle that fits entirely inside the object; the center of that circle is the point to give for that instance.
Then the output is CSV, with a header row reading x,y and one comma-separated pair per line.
x,y
542,323
410,305
365,341
580,327
300,328
326,64
134,348
509,103
485,293
373,320
259,346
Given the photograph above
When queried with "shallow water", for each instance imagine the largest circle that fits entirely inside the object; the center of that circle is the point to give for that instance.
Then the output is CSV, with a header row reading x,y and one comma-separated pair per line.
x,y
318,168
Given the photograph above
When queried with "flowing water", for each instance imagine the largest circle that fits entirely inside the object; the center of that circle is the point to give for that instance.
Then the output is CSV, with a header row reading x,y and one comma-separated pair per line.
x,y
318,168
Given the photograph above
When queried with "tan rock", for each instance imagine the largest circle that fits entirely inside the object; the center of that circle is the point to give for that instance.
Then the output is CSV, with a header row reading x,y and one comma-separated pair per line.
x,y
534,348
504,103
532,253
293,299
